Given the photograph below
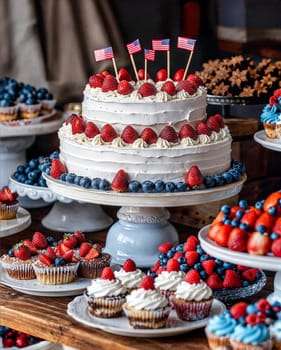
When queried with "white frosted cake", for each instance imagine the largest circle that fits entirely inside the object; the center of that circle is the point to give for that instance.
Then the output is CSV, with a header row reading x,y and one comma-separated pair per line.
x,y
179,133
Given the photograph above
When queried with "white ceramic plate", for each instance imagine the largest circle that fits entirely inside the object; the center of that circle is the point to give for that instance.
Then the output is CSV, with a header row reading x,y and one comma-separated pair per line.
x,y
77,309
274,144
33,287
12,226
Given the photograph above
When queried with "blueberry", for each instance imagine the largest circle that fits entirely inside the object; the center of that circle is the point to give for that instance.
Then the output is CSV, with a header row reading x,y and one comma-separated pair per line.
x,y
227,177
170,187
200,250
70,178
30,101
235,174
251,309
244,226
104,185
274,236
204,257
184,267
11,252
243,204
27,170
162,256
239,213
261,228
164,261
147,186
96,183
235,223
32,176
54,155
181,186
170,254
272,210
181,260
21,169
42,182
197,266
33,163
179,247
218,261
209,181
134,186
63,177
50,240
219,181
48,171
159,186
245,284
225,209
59,261
28,182
203,274
5,103
22,178
85,182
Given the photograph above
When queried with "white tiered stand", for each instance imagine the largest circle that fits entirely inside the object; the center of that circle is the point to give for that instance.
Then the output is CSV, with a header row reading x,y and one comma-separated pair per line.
x,y
143,218
270,263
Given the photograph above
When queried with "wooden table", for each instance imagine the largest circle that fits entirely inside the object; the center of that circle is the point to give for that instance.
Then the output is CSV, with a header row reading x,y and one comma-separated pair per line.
x,y
46,317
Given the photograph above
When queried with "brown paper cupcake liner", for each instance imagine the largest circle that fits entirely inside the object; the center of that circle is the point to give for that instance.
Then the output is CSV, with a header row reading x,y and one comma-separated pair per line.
x,y
217,342
93,268
19,271
8,211
237,345
106,307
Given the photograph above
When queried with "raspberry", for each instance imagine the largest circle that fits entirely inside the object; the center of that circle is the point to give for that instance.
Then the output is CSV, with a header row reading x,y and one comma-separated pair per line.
x,y
191,257
129,265
147,283
192,277
191,243
238,310
209,266
165,247
231,279
173,265
214,281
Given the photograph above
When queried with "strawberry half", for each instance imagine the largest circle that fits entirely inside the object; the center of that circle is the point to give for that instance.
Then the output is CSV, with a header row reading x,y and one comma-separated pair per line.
x,y
57,168
108,133
169,134
129,134
149,136
22,252
120,181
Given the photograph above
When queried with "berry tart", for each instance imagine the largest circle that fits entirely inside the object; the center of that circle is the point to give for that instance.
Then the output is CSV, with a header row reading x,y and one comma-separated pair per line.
x,y
193,298
146,307
8,110
106,295
129,275
8,204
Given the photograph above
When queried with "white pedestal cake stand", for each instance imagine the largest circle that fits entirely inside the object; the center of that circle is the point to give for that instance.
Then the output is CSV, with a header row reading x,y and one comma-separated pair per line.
x,y
66,215
17,136
143,217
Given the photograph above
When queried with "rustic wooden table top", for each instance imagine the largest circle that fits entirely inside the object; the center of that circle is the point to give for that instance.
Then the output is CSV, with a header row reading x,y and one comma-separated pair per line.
x,y
46,317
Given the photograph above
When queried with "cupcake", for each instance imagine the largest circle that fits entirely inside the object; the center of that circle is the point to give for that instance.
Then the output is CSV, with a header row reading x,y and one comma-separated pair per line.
x,y
251,337
8,110
8,204
275,332
270,116
219,329
30,109
92,260
193,299
129,275
145,307
46,99
167,281
51,268
106,295
18,262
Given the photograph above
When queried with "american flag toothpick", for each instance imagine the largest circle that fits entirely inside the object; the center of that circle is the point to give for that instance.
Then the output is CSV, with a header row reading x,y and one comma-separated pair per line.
x,y
186,44
106,54
132,48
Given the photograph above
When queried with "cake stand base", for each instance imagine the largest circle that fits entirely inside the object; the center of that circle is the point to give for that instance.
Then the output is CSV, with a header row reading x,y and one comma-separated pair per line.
x,y
137,235
73,216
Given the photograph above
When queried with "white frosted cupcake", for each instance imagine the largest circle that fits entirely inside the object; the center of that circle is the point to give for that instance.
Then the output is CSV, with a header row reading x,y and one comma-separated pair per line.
x,y
106,295
129,275
145,307
275,332
167,281
193,298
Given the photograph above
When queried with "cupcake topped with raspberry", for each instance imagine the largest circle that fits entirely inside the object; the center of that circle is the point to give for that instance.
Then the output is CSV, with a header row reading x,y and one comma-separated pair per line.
x,y
129,274
8,203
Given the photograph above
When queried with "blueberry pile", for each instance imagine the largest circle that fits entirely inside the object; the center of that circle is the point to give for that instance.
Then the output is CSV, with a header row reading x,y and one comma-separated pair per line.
x,y
11,338
232,175
31,172
12,92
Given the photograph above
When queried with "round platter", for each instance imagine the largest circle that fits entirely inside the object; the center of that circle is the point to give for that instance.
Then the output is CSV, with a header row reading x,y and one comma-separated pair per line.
x,y
77,309
274,145
270,263
144,199
12,226
33,287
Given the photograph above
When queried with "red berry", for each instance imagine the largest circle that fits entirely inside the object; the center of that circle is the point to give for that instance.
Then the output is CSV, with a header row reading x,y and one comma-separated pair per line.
x,y
178,75
50,253
231,279
169,134
192,276
191,257
173,265
149,136
161,75
209,266
203,129
194,177
107,274
250,274
187,131
191,243
108,134
129,134
57,168
169,88
77,125
165,247
124,75
147,283
214,281
45,259
147,89
91,130
129,265
186,86
84,248
39,240
238,310
96,81
124,88
276,247
120,181
22,252
109,84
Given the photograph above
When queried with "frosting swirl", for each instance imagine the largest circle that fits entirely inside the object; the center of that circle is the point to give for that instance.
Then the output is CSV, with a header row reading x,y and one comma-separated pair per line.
x,y
275,330
168,280
129,279
146,299
105,288
222,324
251,334
197,292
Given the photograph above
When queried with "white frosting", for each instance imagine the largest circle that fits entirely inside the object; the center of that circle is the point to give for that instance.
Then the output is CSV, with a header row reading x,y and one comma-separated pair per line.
x,y
192,291
275,330
168,280
129,279
146,299
105,288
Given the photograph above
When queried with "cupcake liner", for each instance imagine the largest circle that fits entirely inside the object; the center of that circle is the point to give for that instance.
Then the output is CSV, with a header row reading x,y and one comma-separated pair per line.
x,y
106,307
47,106
167,294
191,310
276,344
93,268
217,342
19,271
56,274
8,211
8,113
147,319
238,345
270,130
29,111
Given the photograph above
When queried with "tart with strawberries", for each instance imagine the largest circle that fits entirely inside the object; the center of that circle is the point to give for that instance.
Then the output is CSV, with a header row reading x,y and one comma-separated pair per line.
x,y
193,298
8,204
92,260
106,295
129,274
146,307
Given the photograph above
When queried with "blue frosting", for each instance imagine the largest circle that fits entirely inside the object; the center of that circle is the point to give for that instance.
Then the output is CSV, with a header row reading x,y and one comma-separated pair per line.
x,y
251,334
222,325
270,114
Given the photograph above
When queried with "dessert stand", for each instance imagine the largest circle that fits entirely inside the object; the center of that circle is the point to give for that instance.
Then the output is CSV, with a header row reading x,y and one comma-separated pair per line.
x,y
143,217
66,215
16,136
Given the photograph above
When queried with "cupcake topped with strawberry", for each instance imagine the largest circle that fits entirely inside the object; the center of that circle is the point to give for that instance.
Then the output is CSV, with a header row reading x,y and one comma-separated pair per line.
x,y
129,274
8,203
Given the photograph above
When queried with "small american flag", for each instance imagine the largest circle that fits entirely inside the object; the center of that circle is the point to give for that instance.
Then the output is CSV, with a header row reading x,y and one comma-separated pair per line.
x,y
104,54
161,44
134,47
149,55
186,44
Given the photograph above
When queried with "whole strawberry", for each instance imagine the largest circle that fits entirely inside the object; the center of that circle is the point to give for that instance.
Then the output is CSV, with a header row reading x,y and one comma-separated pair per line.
x,y
57,168
120,181
149,136
39,240
109,84
169,88
147,89
22,252
194,177
129,134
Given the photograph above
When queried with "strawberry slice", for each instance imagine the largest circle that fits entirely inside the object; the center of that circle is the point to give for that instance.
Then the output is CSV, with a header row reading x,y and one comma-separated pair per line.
x,y
92,254
31,246
57,168
44,259
84,249
120,181
68,255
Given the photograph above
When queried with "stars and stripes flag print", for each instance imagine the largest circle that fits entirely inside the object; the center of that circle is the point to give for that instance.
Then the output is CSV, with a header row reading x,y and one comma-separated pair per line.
x,y
104,54
161,44
186,44
149,54
134,47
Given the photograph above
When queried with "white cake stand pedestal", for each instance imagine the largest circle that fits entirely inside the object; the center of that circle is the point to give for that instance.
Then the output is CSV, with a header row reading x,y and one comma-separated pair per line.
x,y
269,263
143,220
66,214
17,136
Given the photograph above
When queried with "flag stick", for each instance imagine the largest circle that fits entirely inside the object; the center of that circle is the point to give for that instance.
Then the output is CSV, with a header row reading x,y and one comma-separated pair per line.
x,y
168,64
145,69
134,67
187,65
115,69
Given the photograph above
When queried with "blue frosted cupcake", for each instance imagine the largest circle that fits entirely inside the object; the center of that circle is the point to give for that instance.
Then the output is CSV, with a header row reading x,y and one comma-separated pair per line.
x,y
271,115
219,329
